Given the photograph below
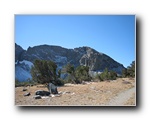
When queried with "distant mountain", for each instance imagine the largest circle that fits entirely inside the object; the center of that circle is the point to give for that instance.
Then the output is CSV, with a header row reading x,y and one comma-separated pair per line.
x,y
61,56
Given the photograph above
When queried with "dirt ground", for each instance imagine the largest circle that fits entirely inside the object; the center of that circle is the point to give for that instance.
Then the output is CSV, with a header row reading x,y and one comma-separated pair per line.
x,y
89,94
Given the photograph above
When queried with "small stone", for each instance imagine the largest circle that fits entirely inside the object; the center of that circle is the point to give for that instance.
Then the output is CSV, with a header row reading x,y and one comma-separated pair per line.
x,y
37,97
27,94
24,89
126,82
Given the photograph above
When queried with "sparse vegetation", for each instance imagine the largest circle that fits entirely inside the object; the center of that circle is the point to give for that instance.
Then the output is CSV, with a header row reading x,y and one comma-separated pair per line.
x,y
29,82
45,71
129,71
106,75
82,74
77,75
71,71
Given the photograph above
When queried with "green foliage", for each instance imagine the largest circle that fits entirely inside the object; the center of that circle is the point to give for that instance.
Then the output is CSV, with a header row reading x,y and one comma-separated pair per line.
x,y
82,74
106,75
17,83
68,79
130,71
124,73
98,77
59,73
43,71
112,75
59,82
24,83
71,71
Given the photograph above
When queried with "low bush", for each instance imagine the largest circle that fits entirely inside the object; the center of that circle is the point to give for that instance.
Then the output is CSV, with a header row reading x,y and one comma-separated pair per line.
x,y
106,75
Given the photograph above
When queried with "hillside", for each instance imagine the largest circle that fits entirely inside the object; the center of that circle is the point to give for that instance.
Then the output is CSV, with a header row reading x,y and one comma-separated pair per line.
x,y
96,61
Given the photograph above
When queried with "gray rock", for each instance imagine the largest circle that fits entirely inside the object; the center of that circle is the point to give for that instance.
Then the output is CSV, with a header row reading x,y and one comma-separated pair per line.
x,y
18,52
42,93
27,94
126,82
37,97
52,88
24,89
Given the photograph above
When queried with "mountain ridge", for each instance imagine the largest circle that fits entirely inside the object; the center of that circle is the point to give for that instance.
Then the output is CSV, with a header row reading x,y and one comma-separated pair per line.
x,y
85,55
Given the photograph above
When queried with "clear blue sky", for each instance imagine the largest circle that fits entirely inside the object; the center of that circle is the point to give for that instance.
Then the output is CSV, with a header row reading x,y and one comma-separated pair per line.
x,y
113,35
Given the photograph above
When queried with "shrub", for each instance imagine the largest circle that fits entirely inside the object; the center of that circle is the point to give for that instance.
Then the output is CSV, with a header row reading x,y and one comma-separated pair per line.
x,y
82,74
106,75
59,82
129,71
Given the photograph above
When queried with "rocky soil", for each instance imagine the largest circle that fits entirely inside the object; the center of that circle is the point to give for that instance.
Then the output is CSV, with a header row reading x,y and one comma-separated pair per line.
x,y
120,92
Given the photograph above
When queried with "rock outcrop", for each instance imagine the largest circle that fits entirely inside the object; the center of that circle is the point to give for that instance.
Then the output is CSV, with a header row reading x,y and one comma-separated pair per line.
x,y
18,52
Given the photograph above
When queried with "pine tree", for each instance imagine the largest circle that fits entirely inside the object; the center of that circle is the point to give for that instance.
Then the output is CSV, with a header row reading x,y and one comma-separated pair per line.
x,y
82,73
129,71
124,73
43,71
71,71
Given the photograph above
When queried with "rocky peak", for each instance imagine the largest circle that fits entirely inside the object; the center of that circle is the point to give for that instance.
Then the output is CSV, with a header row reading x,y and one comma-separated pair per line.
x,y
18,52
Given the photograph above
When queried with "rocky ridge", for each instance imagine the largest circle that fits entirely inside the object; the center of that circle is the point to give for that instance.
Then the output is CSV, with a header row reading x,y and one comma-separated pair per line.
x,y
61,56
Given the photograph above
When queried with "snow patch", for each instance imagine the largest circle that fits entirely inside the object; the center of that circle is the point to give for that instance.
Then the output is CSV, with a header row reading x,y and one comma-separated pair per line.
x,y
21,74
22,70
30,64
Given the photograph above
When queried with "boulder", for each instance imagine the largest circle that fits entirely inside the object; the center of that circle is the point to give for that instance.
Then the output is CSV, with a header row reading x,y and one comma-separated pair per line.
x,y
52,88
42,93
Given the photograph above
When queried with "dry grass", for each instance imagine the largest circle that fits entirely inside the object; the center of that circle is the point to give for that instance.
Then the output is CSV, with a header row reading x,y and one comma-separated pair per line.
x,y
92,94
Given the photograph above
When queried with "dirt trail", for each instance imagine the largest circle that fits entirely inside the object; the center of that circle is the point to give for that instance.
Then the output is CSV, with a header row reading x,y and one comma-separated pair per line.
x,y
121,98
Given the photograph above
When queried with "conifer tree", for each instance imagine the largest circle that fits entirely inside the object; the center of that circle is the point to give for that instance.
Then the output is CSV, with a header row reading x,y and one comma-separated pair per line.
x,y
43,71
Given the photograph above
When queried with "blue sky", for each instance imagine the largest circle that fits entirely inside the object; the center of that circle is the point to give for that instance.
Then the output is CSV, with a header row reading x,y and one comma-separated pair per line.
x,y
113,35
